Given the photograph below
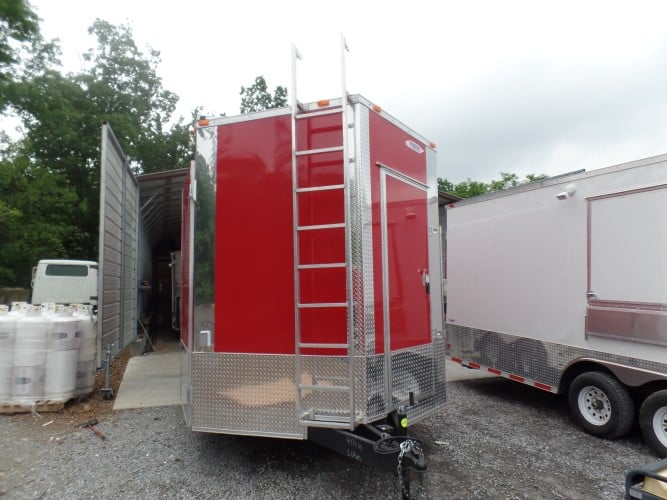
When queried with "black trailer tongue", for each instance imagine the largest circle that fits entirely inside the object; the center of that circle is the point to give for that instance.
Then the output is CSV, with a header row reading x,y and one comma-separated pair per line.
x,y
384,445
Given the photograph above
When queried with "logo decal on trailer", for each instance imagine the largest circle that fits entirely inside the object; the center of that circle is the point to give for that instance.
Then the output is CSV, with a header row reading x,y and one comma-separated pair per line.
x,y
414,146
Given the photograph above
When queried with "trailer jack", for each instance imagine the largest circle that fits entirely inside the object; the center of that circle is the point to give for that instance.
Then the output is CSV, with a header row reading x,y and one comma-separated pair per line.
x,y
107,391
381,445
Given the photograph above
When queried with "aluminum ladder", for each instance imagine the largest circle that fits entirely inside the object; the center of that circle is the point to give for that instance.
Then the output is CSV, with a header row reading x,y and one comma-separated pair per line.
x,y
324,382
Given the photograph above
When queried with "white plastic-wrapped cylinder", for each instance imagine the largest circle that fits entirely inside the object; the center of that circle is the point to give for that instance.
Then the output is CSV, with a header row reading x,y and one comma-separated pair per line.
x,y
7,335
49,309
30,356
62,355
19,308
86,364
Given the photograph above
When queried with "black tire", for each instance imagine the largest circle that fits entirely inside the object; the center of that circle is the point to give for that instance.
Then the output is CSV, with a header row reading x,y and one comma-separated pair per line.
x,y
601,405
653,422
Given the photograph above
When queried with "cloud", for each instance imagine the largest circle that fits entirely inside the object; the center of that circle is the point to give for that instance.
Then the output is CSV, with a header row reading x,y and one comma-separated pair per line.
x,y
540,116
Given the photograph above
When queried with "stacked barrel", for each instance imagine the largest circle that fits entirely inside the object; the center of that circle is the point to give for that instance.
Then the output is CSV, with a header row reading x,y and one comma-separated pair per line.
x,y
86,363
47,353
7,335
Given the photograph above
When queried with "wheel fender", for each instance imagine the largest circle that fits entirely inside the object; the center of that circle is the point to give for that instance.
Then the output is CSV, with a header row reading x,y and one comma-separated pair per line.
x,y
631,376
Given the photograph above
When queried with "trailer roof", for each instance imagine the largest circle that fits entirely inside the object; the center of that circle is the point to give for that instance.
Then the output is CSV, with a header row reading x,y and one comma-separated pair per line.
x,y
444,198
314,107
160,203
561,179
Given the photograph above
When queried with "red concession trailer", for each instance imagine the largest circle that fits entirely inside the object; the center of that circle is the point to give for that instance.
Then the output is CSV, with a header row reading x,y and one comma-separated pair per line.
x,y
312,300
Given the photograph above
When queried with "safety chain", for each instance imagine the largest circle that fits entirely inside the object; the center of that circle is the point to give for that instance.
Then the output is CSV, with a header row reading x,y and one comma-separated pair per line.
x,y
407,446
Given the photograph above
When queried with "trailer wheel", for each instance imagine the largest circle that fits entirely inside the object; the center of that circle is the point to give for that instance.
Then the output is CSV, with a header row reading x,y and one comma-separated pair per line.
x,y
653,422
601,405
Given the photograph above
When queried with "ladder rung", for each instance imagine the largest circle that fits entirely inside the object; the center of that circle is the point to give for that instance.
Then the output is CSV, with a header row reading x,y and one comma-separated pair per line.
x,y
322,266
316,305
320,188
320,226
321,421
325,388
328,111
309,345
306,152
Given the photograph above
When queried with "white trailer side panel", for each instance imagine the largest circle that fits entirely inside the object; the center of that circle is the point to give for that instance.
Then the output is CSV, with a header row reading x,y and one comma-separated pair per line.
x,y
628,246
119,198
518,263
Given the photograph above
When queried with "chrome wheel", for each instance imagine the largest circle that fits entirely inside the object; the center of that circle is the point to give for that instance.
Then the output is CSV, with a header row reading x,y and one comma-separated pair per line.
x,y
594,405
660,425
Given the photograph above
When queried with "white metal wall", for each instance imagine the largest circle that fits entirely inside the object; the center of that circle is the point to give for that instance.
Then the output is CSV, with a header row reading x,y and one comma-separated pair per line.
x,y
517,260
119,199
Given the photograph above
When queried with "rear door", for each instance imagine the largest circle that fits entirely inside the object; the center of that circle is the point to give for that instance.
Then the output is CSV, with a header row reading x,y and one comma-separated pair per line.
x,y
406,278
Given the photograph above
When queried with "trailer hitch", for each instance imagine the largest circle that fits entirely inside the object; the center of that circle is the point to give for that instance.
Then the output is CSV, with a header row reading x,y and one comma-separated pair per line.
x,y
384,445
411,462
411,468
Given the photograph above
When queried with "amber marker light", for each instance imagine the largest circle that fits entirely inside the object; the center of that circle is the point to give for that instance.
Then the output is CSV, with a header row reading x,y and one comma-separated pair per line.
x,y
203,122
432,145
323,103
377,109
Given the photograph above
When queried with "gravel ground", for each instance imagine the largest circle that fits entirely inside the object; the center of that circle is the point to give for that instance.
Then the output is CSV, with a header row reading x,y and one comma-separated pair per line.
x,y
498,440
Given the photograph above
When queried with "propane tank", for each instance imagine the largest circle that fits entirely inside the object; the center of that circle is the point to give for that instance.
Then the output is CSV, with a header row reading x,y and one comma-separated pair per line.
x,y
7,335
18,308
30,356
62,355
85,371
49,309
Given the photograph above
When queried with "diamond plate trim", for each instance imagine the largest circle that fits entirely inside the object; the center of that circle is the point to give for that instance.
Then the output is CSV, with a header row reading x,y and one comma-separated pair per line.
x,y
533,359
245,394
327,373
418,367
365,230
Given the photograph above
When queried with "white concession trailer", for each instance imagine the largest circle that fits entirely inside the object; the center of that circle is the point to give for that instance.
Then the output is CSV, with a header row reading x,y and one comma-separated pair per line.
x,y
562,284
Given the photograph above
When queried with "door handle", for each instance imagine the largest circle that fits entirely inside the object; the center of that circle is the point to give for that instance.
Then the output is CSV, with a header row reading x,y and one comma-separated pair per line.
x,y
426,281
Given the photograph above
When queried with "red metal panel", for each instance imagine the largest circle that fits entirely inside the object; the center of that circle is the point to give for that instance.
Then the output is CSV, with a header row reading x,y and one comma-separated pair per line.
x,y
321,207
254,266
389,146
322,285
398,149
324,325
317,132
320,169
325,246
185,262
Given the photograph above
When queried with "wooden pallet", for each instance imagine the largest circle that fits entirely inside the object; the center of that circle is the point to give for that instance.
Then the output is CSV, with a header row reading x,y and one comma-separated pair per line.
x,y
38,406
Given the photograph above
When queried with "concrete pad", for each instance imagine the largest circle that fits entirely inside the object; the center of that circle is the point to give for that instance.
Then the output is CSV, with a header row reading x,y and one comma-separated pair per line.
x,y
455,372
150,380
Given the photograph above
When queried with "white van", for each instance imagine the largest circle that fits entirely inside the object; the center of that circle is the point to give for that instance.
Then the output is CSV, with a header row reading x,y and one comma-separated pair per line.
x,y
65,282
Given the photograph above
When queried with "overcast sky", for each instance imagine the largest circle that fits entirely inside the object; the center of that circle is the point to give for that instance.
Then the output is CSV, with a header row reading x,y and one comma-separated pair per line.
x,y
500,86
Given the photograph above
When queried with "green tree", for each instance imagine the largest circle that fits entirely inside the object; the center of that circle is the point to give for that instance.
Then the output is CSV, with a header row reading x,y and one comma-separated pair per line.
x,y
258,98
125,90
469,188
62,114
39,216
18,25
